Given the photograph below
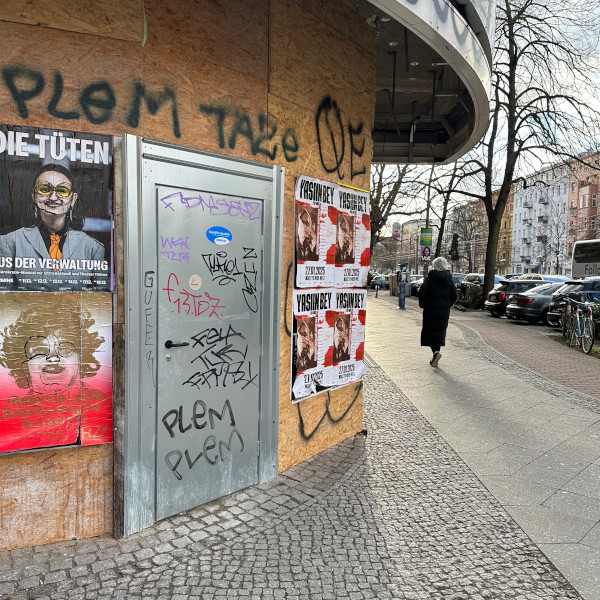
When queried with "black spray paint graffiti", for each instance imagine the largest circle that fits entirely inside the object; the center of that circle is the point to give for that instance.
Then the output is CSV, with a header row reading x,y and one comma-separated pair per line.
x,y
212,449
97,102
239,123
225,270
149,332
327,412
223,359
331,137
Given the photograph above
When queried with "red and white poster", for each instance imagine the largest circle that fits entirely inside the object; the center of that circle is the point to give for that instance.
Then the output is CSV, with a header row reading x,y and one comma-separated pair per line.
x,y
328,340
55,369
333,234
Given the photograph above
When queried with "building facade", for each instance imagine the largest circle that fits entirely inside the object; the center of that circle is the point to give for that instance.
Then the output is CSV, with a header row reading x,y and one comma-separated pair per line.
x,y
205,116
539,237
583,203
504,253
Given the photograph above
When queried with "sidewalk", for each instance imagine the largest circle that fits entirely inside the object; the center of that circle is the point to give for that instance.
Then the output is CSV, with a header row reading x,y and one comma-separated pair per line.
x,y
534,443
393,515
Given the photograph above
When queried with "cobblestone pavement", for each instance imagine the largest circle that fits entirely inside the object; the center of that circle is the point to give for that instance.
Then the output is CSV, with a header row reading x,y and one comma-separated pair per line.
x,y
392,515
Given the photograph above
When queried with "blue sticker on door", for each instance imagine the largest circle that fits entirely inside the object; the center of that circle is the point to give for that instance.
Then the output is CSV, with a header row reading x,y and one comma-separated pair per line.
x,y
219,235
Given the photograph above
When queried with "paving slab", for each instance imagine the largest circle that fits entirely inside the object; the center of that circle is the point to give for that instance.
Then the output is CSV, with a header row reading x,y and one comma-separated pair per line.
x,y
527,431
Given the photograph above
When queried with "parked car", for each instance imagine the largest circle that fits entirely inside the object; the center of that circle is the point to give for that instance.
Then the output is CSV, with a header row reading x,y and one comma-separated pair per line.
x,y
415,285
582,289
468,280
532,305
383,281
474,279
498,297
457,278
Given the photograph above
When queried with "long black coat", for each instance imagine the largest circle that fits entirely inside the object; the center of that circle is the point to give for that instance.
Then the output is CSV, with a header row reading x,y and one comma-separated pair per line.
x,y
436,296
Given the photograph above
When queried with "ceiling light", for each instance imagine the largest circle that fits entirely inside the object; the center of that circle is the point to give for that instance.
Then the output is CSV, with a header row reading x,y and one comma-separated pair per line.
x,y
385,19
393,44
414,64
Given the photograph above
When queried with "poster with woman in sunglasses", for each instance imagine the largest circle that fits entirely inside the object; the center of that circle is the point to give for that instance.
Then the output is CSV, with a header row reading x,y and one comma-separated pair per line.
x,y
68,194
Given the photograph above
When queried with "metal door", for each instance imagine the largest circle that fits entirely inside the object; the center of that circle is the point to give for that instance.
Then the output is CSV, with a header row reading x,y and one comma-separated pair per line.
x,y
209,324
203,270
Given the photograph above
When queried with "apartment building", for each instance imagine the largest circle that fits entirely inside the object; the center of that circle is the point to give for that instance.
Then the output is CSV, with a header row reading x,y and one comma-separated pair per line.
x,y
539,234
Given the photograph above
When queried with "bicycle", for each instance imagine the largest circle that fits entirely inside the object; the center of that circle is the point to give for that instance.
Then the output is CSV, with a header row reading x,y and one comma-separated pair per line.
x,y
581,325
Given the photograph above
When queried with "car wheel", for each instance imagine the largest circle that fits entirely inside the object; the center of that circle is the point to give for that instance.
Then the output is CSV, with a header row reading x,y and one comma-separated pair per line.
x,y
545,319
495,315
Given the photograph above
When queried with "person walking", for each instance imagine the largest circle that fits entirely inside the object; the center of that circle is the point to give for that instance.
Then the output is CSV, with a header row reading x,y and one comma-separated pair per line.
x,y
436,296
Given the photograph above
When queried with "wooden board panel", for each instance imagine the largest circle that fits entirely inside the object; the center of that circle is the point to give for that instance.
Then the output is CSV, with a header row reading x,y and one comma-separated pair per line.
x,y
347,23
318,423
231,34
118,19
53,495
135,77
316,156
310,61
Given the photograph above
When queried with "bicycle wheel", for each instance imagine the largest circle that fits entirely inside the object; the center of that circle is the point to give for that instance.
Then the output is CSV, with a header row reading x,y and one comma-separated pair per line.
x,y
587,336
566,324
573,339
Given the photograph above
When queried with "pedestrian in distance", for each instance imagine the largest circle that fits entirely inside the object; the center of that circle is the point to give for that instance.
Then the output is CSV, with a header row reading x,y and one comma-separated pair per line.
x,y
436,297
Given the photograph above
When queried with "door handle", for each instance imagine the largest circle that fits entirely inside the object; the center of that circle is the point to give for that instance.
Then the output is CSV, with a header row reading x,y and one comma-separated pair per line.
x,y
171,344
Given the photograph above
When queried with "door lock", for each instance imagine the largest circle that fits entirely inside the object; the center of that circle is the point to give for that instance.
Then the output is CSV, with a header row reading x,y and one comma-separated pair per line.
x,y
171,344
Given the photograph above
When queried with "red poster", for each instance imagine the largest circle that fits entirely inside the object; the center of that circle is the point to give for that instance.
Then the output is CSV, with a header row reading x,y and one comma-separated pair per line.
x,y
55,369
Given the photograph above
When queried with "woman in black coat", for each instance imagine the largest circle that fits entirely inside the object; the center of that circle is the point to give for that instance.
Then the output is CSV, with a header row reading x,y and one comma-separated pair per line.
x,y
436,296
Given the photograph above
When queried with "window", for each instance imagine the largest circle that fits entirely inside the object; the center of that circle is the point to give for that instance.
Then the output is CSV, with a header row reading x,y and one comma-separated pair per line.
x,y
585,201
594,199
573,187
593,224
585,224
580,225
581,201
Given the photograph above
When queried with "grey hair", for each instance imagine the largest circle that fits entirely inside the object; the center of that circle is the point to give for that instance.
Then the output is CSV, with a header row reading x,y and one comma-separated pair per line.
x,y
440,264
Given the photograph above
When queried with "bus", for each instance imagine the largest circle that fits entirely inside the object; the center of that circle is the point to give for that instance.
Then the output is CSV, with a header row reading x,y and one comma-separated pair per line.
x,y
585,261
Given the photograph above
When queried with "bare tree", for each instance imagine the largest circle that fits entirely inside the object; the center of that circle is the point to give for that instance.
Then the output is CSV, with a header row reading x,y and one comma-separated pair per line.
x,y
469,222
395,191
544,101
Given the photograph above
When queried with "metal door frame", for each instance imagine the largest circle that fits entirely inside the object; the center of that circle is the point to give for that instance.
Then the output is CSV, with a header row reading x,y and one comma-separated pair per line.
x,y
140,251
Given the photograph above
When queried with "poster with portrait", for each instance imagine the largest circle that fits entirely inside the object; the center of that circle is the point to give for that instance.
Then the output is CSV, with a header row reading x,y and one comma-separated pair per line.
x,y
315,230
353,238
328,340
55,369
332,234
55,210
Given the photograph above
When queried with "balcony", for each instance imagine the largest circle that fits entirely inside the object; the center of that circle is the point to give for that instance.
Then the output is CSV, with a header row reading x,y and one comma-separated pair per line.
x,y
526,240
527,221
541,238
527,204
544,200
525,258
542,218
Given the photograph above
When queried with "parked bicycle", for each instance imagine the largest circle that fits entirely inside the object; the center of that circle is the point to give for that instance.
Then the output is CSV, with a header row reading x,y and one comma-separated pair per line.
x,y
580,325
